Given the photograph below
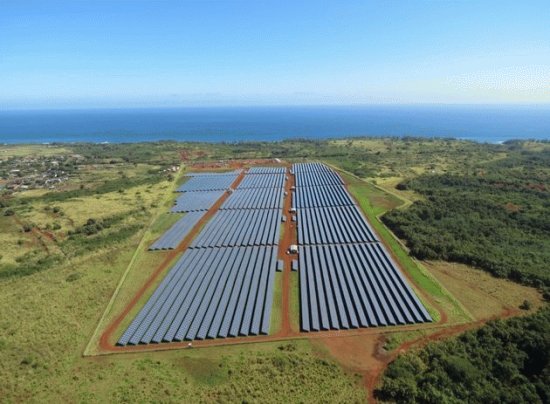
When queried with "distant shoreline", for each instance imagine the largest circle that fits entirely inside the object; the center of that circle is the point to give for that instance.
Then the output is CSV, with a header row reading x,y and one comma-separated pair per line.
x,y
486,124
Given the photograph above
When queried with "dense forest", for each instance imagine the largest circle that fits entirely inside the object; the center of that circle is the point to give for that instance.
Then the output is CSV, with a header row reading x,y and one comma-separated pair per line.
x,y
502,362
496,218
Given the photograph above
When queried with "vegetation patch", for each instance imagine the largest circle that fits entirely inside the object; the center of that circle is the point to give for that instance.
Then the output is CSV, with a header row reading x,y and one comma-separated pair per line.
x,y
505,361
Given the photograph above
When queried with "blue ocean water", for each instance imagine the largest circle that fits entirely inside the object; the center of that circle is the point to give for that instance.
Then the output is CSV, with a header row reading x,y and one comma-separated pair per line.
x,y
480,123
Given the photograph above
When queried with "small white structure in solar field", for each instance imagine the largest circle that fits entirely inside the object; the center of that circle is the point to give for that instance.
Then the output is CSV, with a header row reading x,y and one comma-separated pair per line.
x,y
293,249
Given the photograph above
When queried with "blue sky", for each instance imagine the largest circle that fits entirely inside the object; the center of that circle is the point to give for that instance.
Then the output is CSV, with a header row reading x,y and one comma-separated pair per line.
x,y
164,53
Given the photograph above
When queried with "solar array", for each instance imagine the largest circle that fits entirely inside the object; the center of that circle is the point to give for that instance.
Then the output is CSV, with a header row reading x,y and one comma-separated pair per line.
x,y
313,178
192,201
210,174
208,183
209,293
347,278
222,286
309,167
255,198
318,197
266,170
175,235
248,227
355,285
262,181
343,224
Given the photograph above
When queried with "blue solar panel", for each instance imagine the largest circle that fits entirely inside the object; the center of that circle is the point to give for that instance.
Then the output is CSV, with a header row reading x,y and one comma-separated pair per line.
x,y
354,285
259,198
193,201
209,293
333,225
266,170
262,181
208,183
175,235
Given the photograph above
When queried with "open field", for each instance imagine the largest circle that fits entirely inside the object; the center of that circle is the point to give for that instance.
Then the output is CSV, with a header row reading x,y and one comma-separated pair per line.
x,y
51,315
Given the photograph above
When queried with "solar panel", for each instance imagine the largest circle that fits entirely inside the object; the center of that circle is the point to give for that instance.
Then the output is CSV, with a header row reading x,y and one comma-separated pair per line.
x,y
209,293
208,183
193,201
354,285
175,235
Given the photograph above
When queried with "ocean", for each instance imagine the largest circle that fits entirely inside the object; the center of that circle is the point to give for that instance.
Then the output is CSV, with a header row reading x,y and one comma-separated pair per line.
x,y
492,124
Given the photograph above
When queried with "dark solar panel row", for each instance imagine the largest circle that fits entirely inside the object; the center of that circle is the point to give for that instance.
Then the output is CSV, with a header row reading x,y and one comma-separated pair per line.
x,y
316,178
266,170
248,227
208,183
175,235
262,181
256,198
335,225
191,201
309,167
209,293
319,197
210,174
354,285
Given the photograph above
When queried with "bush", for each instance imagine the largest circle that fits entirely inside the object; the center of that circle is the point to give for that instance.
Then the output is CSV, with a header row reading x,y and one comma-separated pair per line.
x,y
526,305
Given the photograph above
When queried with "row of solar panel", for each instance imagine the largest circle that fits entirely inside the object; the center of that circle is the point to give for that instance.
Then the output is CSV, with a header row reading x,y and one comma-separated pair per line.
x,y
335,225
175,235
192,201
266,170
309,167
255,198
319,197
209,293
210,174
262,181
248,227
208,183
317,178
355,285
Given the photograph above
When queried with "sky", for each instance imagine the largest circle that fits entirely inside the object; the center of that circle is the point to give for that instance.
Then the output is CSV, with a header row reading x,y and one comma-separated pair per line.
x,y
214,53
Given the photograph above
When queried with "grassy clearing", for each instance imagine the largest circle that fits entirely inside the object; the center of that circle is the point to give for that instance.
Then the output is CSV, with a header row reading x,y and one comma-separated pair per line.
x,y
483,295
374,202
47,320
294,301
277,309
31,150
